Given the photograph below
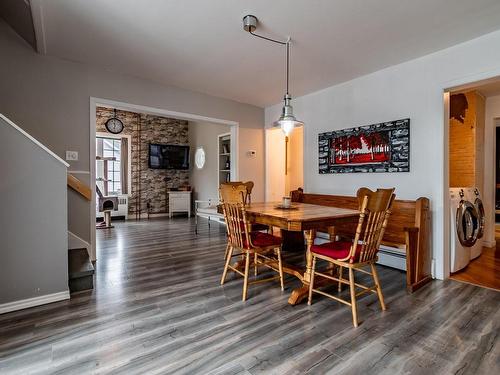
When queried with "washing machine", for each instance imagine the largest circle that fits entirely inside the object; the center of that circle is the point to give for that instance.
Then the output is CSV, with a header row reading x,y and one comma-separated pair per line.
x,y
475,198
464,227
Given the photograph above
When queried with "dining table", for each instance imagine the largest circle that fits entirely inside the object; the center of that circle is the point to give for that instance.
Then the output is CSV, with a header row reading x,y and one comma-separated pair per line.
x,y
305,218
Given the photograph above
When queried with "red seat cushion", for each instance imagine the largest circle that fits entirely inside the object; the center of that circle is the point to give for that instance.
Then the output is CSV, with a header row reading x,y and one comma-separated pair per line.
x,y
334,250
260,239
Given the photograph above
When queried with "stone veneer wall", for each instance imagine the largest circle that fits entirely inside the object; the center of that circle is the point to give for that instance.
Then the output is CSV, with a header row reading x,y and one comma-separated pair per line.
x,y
153,183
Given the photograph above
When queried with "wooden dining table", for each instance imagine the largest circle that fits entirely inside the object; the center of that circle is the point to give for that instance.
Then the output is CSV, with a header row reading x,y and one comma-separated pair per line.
x,y
301,217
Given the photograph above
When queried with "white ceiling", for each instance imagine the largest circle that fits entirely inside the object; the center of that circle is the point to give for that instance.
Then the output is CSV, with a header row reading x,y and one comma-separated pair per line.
x,y
200,44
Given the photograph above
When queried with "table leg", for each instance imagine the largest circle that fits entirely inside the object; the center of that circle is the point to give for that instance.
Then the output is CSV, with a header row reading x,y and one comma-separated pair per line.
x,y
301,293
310,235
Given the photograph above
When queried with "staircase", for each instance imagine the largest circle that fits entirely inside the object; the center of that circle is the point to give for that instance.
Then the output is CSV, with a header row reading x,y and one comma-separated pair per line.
x,y
38,252
80,270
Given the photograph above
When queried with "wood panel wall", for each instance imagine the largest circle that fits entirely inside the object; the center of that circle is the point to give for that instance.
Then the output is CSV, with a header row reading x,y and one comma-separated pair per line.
x,y
466,143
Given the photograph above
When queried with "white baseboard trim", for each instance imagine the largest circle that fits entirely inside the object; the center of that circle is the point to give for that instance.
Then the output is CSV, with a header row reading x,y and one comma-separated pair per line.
x,y
32,302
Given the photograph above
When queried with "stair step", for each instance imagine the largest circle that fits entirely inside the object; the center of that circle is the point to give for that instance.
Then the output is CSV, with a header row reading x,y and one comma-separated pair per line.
x,y
80,270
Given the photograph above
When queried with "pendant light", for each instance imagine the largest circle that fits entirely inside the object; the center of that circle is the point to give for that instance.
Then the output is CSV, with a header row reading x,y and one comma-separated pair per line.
x,y
287,121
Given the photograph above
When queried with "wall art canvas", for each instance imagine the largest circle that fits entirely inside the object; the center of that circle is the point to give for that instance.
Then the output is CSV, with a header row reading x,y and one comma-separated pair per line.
x,y
383,147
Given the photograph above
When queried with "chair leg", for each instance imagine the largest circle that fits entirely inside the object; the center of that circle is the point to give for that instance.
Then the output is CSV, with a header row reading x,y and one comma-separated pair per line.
x,y
280,269
340,278
377,284
353,298
255,264
226,252
245,281
311,283
228,260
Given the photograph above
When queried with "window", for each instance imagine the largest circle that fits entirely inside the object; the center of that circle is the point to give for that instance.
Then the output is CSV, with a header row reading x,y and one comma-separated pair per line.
x,y
108,150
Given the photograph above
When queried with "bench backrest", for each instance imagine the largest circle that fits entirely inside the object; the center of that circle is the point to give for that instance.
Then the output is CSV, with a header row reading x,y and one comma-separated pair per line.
x,y
404,214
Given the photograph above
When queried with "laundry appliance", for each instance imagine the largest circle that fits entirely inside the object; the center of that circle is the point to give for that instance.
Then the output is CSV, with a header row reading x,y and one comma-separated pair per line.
x,y
464,220
475,198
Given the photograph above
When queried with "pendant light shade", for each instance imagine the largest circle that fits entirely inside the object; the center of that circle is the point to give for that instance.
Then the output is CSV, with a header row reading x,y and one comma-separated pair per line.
x,y
287,121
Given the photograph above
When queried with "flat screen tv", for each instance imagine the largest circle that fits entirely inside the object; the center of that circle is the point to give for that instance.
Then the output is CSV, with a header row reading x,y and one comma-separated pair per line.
x,y
168,156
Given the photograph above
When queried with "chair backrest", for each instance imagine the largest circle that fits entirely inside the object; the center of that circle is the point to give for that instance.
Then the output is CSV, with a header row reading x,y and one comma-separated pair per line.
x,y
238,228
231,191
375,211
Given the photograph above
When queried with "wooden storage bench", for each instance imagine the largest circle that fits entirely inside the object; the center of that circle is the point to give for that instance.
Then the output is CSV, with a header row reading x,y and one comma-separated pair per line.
x,y
408,229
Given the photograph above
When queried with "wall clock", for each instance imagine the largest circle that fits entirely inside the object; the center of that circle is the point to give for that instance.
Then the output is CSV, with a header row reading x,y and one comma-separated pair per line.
x,y
199,157
114,124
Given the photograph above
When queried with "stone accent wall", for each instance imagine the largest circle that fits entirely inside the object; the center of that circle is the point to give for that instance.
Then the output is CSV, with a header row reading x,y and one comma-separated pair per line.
x,y
148,185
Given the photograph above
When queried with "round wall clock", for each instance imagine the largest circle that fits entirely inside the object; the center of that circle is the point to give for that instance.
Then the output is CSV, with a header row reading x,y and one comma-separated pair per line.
x,y
114,124
199,157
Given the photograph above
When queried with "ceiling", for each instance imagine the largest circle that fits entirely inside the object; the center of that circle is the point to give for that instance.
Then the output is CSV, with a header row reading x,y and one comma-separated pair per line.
x,y
200,45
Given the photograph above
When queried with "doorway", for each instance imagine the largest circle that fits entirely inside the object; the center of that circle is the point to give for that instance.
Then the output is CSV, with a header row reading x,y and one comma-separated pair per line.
x,y
473,149
133,108
284,163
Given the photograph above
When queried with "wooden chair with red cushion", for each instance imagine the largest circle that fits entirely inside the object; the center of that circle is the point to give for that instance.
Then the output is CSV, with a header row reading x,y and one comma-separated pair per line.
x,y
263,247
227,188
361,252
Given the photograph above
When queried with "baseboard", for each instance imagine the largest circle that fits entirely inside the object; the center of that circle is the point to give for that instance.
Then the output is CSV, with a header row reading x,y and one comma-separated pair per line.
x,y
32,302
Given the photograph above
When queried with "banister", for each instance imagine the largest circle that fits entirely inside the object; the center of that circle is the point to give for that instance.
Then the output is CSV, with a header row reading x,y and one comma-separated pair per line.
x,y
78,186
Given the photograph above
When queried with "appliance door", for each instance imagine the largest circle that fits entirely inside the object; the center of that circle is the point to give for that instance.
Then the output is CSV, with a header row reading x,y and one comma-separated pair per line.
x,y
478,203
467,223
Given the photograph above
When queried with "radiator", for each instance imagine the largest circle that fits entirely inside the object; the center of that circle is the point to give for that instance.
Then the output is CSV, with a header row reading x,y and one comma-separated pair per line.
x,y
122,208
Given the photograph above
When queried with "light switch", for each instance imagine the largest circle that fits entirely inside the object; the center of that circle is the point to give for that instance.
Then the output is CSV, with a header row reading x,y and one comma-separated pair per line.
x,y
72,155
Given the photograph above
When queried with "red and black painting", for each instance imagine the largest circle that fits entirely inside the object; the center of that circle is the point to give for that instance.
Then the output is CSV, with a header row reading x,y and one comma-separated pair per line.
x,y
383,147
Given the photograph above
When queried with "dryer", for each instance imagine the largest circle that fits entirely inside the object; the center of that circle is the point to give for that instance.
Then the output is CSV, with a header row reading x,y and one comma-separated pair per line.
x,y
475,198
464,228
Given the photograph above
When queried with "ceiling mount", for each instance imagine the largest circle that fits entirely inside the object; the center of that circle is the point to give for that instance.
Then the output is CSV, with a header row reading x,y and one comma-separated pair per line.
x,y
250,23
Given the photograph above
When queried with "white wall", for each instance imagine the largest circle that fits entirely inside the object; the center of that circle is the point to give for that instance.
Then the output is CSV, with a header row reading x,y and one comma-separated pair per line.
x,y
205,181
50,99
413,89
491,118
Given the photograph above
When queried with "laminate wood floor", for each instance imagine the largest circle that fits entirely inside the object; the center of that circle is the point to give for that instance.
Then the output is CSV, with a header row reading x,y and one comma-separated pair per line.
x,y
482,271
158,308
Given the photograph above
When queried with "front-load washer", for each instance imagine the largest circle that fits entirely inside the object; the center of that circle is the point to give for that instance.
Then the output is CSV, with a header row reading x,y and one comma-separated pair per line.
x,y
475,198
464,228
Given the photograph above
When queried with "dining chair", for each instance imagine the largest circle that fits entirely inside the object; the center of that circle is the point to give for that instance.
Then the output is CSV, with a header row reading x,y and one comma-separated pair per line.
x,y
263,247
357,254
233,192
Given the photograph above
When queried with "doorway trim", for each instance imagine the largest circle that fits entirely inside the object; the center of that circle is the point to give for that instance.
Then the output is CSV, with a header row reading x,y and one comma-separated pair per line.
x,y
446,87
95,102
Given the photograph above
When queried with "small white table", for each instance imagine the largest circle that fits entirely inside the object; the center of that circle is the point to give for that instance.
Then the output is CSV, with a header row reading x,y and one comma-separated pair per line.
x,y
179,201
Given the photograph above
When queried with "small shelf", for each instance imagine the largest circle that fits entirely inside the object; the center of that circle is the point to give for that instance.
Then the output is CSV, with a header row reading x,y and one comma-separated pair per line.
x,y
224,159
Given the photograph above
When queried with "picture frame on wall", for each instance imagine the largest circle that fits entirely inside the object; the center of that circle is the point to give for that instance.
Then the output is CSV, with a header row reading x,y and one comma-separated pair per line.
x,y
382,148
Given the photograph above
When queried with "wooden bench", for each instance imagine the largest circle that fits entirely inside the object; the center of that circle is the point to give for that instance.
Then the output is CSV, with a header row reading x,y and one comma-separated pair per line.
x,y
408,229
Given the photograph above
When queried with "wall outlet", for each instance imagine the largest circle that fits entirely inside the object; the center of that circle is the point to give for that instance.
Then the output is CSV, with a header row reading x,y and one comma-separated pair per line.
x,y
72,155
